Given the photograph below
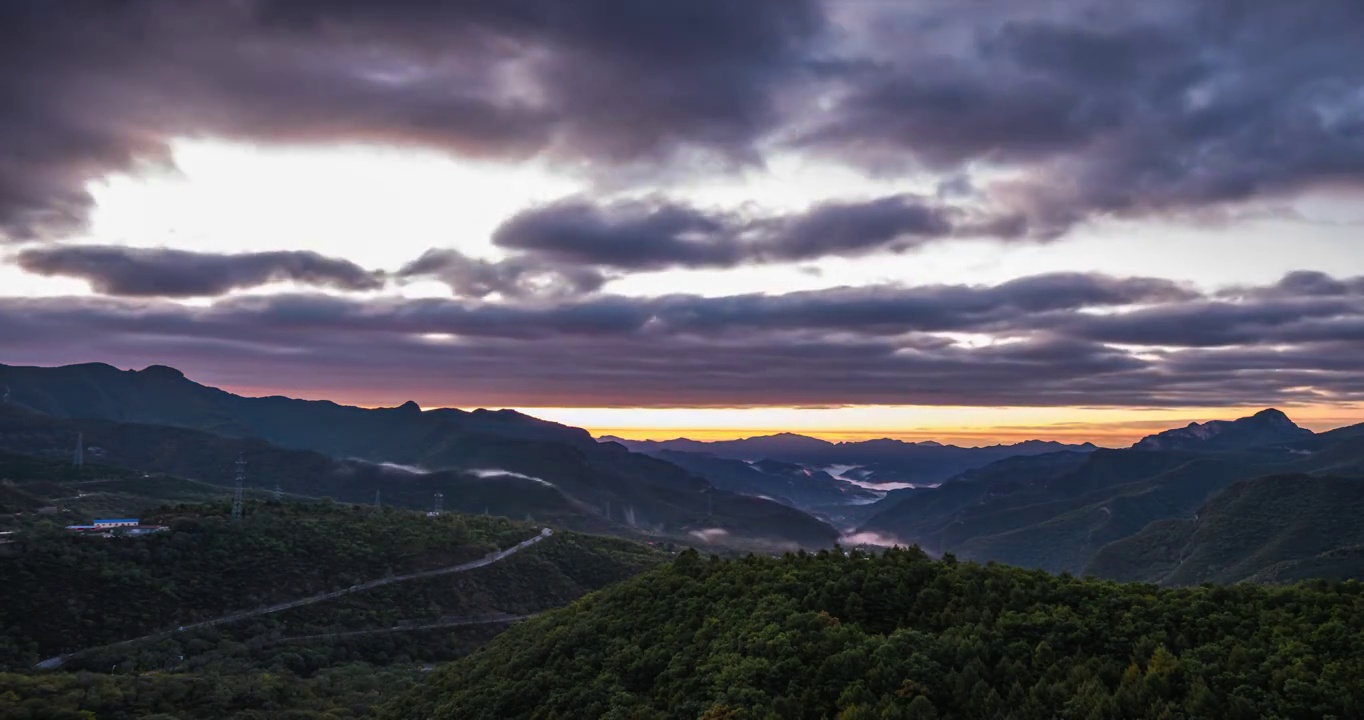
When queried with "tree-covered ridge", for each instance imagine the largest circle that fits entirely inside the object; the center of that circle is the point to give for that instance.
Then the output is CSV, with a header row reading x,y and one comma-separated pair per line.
x,y
1052,513
335,659
350,691
36,490
1281,528
63,592
903,636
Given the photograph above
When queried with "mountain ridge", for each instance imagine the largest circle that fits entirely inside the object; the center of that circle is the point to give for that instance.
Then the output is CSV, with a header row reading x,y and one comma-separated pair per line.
x,y
1266,427
624,487
1265,529
675,443
898,635
1057,512
884,461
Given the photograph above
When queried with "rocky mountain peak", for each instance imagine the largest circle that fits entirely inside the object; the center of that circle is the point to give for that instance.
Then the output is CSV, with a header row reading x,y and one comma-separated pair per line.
x,y
1267,427
162,372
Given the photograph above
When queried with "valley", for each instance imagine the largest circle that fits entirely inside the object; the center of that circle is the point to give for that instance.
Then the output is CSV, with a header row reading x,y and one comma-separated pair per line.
x,y
681,360
156,420
401,563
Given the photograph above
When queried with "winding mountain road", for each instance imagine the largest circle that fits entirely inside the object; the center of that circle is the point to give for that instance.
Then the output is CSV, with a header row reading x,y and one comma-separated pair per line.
x,y
56,662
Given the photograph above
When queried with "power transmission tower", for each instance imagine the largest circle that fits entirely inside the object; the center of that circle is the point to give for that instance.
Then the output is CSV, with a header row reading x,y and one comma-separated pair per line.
x,y
376,498
279,492
237,493
4,397
78,459
440,503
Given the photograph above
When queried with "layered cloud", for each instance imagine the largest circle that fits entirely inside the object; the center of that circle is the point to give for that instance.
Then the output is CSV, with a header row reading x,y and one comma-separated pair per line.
x,y
137,272
1043,340
657,234
1095,108
1014,125
518,277
1047,112
92,87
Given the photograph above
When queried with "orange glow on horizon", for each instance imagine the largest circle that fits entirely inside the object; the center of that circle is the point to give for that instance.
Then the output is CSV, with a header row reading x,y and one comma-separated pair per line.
x,y
1116,436
966,437
1106,427
967,426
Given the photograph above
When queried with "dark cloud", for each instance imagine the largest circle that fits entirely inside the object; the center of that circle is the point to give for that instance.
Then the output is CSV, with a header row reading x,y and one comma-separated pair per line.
x,y
1095,108
852,228
893,310
1027,119
512,278
1301,283
656,233
1048,340
873,311
1092,108
1224,323
137,272
90,87
1109,109
630,234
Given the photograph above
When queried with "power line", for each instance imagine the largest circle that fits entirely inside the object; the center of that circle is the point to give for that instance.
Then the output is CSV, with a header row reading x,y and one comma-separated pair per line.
x,y
237,493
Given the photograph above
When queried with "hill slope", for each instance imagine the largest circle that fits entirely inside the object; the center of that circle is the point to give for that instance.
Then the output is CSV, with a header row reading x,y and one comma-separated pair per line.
x,y
900,636
1267,427
792,484
335,658
38,489
206,567
1279,528
879,461
134,466
502,462
1052,513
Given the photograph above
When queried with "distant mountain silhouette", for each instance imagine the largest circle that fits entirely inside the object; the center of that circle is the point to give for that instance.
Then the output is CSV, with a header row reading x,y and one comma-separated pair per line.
x,y
880,461
783,446
1279,528
1266,427
788,483
1060,511
629,489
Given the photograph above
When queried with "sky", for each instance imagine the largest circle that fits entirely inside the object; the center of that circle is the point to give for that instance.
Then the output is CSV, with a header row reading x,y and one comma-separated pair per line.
x,y
971,222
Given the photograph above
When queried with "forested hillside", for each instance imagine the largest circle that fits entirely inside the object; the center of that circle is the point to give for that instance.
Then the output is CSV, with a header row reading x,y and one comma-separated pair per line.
x,y
1273,529
149,463
878,461
35,490
790,484
1057,512
903,636
64,593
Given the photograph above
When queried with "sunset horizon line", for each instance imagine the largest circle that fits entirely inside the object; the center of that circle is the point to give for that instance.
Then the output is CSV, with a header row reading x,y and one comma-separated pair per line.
x,y
964,426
